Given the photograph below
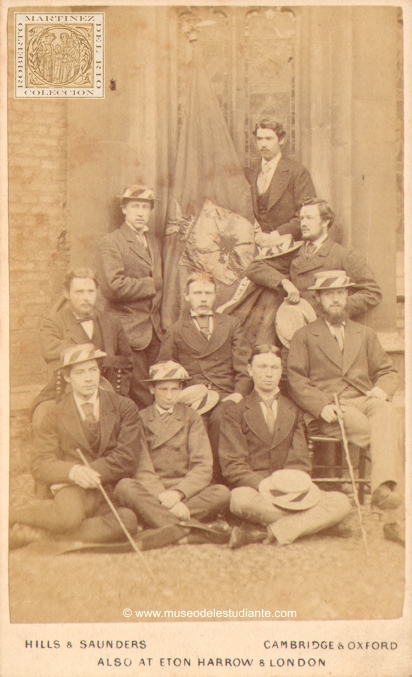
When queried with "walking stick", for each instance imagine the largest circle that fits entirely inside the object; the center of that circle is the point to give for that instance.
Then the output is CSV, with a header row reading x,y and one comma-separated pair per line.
x,y
120,521
352,476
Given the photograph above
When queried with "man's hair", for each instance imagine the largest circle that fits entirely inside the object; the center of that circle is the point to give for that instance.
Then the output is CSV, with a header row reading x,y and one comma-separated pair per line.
x,y
68,368
274,125
326,212
264,348
85,273
199,277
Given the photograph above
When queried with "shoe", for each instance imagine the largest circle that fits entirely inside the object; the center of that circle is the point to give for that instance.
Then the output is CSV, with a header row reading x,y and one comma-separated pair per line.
x,y
151,539
393,531
21,535
246,534
340,530
216,532
384,498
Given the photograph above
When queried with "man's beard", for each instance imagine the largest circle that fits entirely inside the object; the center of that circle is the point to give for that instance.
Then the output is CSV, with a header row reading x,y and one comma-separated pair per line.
x,y
335,315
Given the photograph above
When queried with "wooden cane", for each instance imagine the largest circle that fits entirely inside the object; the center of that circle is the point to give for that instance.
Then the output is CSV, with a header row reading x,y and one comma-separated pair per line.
x,y
120,521
351,473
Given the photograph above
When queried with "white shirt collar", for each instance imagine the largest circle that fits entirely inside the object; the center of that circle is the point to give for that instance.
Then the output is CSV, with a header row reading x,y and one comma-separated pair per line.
x,y
264,396
319,242
273,162
94,400
193,313
139,231
163,411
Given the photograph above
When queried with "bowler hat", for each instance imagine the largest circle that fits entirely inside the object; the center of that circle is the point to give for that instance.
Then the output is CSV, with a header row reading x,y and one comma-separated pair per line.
x,y
290,489
331,279
79,353
199,397
138,192
167,371
292,316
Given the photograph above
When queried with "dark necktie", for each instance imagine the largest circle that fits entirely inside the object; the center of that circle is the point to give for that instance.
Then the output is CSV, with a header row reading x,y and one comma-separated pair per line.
x,y
164,416
270,417
91,421
203,322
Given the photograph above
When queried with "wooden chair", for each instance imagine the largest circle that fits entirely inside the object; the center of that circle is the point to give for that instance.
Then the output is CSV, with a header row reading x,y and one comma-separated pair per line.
x,y
331,455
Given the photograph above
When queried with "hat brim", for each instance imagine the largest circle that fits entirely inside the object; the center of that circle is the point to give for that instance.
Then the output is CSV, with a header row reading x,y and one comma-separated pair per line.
x,y
296,246
62,367
340,286
292,316
141,199
206,403
160,380
291,501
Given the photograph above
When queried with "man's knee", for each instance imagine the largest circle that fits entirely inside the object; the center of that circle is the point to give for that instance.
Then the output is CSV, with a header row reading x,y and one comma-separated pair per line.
x,y
337,502
219,496
129,520
240,499
124,490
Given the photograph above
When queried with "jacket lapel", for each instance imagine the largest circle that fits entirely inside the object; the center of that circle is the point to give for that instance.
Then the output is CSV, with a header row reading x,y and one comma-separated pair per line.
x,y
71,421
284,420
218,337
107,419
255,419
327,344
135,245
192,336
74,329
352,344
163,432
280,180
303,265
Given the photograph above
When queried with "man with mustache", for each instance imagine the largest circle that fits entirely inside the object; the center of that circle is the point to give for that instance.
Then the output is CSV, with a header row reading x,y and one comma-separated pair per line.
x,y
78,322
334,355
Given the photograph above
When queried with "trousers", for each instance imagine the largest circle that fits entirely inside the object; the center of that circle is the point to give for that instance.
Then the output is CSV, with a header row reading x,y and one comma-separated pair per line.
x,y
371,422
203,506
142,360
79,514
287,525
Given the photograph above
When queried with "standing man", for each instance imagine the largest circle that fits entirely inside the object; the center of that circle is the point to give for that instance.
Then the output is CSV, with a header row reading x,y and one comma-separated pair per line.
x,y
181,455
260,437
79,322
278,185
334,355
319,252
212,349
106,428
130,275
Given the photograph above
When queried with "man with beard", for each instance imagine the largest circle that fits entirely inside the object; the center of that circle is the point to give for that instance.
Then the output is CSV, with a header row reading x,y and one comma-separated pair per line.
x,y
296,271
334,355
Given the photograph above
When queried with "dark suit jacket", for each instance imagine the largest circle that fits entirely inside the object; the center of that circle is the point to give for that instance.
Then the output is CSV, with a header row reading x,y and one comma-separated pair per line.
x,y
122,446
301,271
317,368
130,277
61,330
179,449
291,183
220,363
247,451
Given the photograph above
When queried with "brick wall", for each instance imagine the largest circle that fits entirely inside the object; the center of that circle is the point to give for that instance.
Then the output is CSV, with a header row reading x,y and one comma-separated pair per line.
x,y
37,224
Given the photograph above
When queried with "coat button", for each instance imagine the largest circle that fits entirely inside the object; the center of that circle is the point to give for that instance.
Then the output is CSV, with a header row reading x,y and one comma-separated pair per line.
x,y
176,472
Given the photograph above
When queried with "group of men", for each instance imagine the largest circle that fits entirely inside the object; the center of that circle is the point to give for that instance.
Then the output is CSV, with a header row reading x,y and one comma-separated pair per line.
x,y
195,434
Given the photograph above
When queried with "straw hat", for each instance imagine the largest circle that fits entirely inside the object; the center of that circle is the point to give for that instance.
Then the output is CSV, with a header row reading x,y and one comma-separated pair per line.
x,y
199,397
167,371
292,316
79,353
290,489
138,192
331,279
285,245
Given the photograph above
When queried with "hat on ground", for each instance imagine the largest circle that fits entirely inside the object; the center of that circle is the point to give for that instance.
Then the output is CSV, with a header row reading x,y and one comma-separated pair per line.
x,y
167,371
137,192
285,245
331,279
79,353
290,489
199,397
292,316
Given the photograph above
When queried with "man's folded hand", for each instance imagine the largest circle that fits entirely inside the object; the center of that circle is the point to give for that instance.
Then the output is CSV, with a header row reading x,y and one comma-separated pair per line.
x,y
87,478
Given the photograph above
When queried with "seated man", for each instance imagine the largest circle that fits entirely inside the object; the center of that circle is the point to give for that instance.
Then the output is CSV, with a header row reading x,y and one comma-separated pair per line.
x,y
334,355
259,437
107,429
180,493
212,349
296,272
79,322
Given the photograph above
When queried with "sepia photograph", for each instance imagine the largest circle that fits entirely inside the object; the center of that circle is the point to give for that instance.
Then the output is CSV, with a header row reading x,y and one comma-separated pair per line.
x,y
204,246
